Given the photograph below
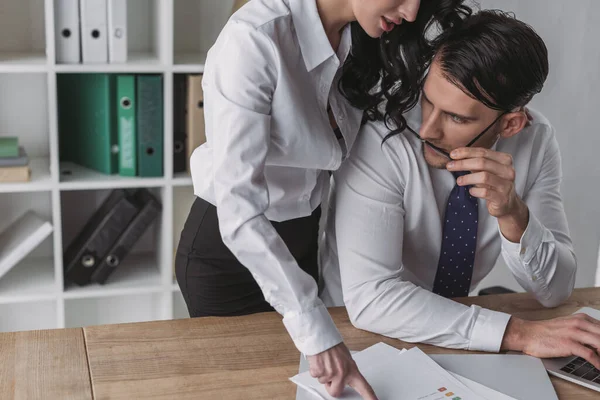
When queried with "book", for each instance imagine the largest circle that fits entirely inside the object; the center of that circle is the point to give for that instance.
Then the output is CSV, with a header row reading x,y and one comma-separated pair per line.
x,y
9,146
20,238
15,174
20,161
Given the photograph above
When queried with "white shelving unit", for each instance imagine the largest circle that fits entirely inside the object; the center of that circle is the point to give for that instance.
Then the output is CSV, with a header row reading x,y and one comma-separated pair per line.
x,y
165,37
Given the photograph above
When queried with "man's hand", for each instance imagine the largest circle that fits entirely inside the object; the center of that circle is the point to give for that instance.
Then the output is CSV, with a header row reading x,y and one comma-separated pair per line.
x,y
335,368
575,335
493,178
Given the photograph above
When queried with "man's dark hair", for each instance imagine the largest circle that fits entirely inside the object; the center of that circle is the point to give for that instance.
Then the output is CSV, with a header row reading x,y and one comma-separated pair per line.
x,y
494,58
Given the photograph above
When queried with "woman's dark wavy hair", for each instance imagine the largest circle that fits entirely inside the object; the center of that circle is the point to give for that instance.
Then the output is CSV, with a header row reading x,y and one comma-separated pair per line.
x,y
390,70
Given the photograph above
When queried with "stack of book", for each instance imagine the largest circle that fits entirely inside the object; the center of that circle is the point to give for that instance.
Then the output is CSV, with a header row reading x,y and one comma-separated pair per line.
x,y
109,235
112,123
14,162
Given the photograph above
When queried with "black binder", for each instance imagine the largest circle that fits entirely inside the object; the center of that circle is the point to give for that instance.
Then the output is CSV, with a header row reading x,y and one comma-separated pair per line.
x,y
83,255
149,210
179,123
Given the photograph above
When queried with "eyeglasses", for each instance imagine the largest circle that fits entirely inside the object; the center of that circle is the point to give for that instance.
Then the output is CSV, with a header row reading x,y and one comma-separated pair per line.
x,y
444,152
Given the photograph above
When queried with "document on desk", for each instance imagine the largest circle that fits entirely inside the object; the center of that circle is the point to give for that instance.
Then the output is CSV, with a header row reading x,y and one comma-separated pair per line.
x,y
403,374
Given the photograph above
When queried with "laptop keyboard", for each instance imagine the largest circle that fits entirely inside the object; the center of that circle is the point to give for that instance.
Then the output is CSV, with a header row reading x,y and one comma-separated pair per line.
x,y
583,369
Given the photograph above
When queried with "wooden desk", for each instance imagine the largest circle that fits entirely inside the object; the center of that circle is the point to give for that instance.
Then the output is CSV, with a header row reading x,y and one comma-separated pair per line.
x,y
245,358
249,357
47,364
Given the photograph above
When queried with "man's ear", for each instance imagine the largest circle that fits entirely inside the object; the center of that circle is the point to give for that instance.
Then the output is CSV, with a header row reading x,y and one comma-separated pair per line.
x,y
513,123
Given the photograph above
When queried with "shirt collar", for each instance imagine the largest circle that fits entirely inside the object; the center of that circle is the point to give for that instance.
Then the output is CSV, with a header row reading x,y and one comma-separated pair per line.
x,y
312,38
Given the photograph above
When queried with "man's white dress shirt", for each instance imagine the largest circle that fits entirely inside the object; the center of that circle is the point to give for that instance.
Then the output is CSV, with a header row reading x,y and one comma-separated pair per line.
x,y
267,82
389,212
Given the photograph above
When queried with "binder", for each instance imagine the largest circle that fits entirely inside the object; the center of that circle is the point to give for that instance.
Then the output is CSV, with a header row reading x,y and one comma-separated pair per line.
x,y
9,146
195,118
179,123
67,31
126,104
20,161
117,31
20,238
94,38
150,125
88,135
98,235
149,210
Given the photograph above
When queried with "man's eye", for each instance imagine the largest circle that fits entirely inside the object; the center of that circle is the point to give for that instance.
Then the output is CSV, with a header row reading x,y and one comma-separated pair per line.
x,y
457,119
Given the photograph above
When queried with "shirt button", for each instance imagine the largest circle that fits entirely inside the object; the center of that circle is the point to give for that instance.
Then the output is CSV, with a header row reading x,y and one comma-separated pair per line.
x,y
323,88
523,250
534,278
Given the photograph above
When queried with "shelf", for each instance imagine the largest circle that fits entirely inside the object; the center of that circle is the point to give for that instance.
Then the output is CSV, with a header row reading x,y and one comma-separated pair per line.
x,y
190,63
41,180
113,310
30,280
137,63
137,275
81,178
20,63
28,316
182,179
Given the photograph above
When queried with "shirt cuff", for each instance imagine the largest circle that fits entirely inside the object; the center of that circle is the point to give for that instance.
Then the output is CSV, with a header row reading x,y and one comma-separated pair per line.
x,y
532,238
488,331
313,332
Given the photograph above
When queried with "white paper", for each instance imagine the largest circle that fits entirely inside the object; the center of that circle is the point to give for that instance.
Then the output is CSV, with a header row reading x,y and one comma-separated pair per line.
x,y
394,374
481,390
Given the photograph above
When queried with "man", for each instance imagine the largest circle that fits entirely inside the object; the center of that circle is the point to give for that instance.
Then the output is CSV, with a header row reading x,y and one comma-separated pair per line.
x,y
416,226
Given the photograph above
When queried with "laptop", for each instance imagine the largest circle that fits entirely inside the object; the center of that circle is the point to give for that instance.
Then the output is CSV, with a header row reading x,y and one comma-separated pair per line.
x,y
576,369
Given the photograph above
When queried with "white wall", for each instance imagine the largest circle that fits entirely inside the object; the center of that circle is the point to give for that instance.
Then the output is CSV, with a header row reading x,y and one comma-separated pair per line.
x,y
571,100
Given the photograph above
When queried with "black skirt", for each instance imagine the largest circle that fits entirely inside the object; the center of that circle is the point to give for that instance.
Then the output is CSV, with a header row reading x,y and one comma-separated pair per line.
x,y
213,282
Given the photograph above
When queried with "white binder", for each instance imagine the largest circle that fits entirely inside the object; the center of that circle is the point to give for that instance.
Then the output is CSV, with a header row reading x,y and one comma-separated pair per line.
x,y
67,31
94,31
117,31
20,238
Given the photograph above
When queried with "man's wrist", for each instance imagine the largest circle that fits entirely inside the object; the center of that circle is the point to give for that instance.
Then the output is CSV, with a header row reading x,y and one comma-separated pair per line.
x,y
514,335
514,225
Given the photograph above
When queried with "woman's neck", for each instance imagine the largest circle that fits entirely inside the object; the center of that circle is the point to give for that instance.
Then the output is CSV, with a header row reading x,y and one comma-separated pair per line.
x,y
335,15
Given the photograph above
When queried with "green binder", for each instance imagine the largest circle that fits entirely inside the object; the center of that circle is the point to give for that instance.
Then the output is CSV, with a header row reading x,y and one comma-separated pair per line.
x,y
126,107
87,121
150,125
9,146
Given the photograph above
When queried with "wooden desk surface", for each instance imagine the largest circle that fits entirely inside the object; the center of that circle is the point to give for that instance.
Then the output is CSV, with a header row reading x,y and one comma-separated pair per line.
x,y
249,357
48,364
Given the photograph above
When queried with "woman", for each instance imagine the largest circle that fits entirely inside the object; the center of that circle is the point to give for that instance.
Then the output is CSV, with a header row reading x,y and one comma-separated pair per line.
x,y
286,86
